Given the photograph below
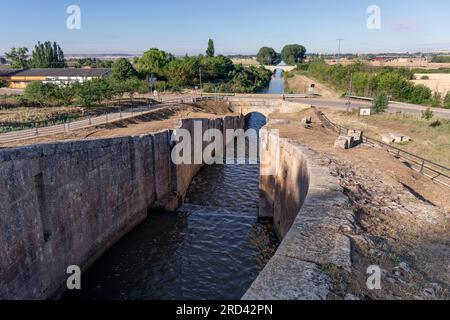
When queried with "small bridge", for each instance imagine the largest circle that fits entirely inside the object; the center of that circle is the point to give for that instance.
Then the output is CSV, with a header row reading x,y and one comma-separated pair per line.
x,y
264,106
284,67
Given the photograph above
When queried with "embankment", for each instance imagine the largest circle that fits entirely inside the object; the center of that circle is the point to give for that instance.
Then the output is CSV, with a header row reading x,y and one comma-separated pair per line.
x,y
311,215
66,203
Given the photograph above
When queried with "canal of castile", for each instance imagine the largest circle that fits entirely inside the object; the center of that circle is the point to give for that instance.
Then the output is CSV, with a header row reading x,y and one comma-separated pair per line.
x,y
212,248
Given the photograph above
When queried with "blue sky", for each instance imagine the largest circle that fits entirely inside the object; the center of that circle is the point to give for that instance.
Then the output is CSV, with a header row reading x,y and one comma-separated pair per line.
x,y
237,26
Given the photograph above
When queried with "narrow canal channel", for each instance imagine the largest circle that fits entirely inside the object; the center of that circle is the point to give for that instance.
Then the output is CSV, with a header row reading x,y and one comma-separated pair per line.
x,y
276,85
213,247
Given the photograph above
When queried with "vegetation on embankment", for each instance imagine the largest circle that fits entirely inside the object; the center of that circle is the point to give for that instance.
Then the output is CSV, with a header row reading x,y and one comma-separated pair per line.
x,y
370,81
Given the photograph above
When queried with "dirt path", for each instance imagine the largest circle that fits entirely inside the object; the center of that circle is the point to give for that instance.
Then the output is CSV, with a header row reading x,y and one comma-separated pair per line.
x,y
301,84
402,219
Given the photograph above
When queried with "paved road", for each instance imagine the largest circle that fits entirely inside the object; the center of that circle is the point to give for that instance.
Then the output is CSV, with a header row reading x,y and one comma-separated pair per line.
x,y
394,107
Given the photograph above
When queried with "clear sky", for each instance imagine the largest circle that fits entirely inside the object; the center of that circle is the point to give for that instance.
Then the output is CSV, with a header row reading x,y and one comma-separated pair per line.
x,y
237,26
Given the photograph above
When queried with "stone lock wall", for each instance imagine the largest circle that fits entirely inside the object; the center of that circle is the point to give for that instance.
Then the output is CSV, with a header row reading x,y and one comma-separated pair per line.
x,y
66,203
310,214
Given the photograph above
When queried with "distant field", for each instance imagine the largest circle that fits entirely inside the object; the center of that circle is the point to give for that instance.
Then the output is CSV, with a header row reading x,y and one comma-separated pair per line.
x,y
246,62
398,63
438,82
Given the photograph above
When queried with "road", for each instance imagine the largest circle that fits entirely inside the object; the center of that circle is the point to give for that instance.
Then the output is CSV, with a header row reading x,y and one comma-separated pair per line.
x,y
394,107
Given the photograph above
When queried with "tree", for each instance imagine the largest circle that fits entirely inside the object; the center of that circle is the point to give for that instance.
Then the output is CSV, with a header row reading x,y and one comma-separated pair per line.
x,y
420,94
154,62
18,57
215,68
123,70
48,55
211,50
267,56
183,72
380,103
41,93
293,54
134,85
93,91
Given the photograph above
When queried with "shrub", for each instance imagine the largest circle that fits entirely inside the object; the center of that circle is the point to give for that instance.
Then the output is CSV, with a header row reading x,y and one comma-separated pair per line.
x,y
380,103
436,123
447,101
425,78
427,114
436,101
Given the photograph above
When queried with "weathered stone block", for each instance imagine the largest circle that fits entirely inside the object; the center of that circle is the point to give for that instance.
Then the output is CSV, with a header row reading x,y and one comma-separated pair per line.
x,y
342,142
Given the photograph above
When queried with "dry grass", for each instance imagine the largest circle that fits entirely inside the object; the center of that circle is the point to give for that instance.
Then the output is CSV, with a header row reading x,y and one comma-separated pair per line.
x,y
438,82
401,217
396,63
428,142
246,62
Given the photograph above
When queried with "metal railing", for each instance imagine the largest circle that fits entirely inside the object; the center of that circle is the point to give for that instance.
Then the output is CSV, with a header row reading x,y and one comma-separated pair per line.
x,y
436,172
106,118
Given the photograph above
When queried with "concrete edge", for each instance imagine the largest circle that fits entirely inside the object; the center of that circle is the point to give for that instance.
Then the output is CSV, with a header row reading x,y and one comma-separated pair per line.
x,y
315,239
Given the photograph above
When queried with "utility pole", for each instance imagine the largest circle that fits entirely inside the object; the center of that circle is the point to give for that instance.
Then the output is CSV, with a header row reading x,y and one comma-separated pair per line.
x,y
201,86
339,51
349,93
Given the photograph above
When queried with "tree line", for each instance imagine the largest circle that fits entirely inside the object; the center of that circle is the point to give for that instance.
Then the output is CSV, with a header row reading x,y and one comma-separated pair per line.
x,y
172,73
370,82
212,73
124,80
292,54
440,59
44,55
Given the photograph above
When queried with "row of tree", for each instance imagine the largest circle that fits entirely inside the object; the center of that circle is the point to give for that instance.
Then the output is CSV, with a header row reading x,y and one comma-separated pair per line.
x,y
217,72
44,55
210,71
292,54
124,80
86,94
440,59
370,82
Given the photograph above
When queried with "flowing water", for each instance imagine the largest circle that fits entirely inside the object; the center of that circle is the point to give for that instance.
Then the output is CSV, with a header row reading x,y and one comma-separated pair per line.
x,y
276,85
213,247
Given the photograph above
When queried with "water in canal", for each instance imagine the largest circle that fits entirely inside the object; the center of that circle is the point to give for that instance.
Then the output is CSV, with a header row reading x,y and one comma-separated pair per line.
x,y
276,85
213,248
